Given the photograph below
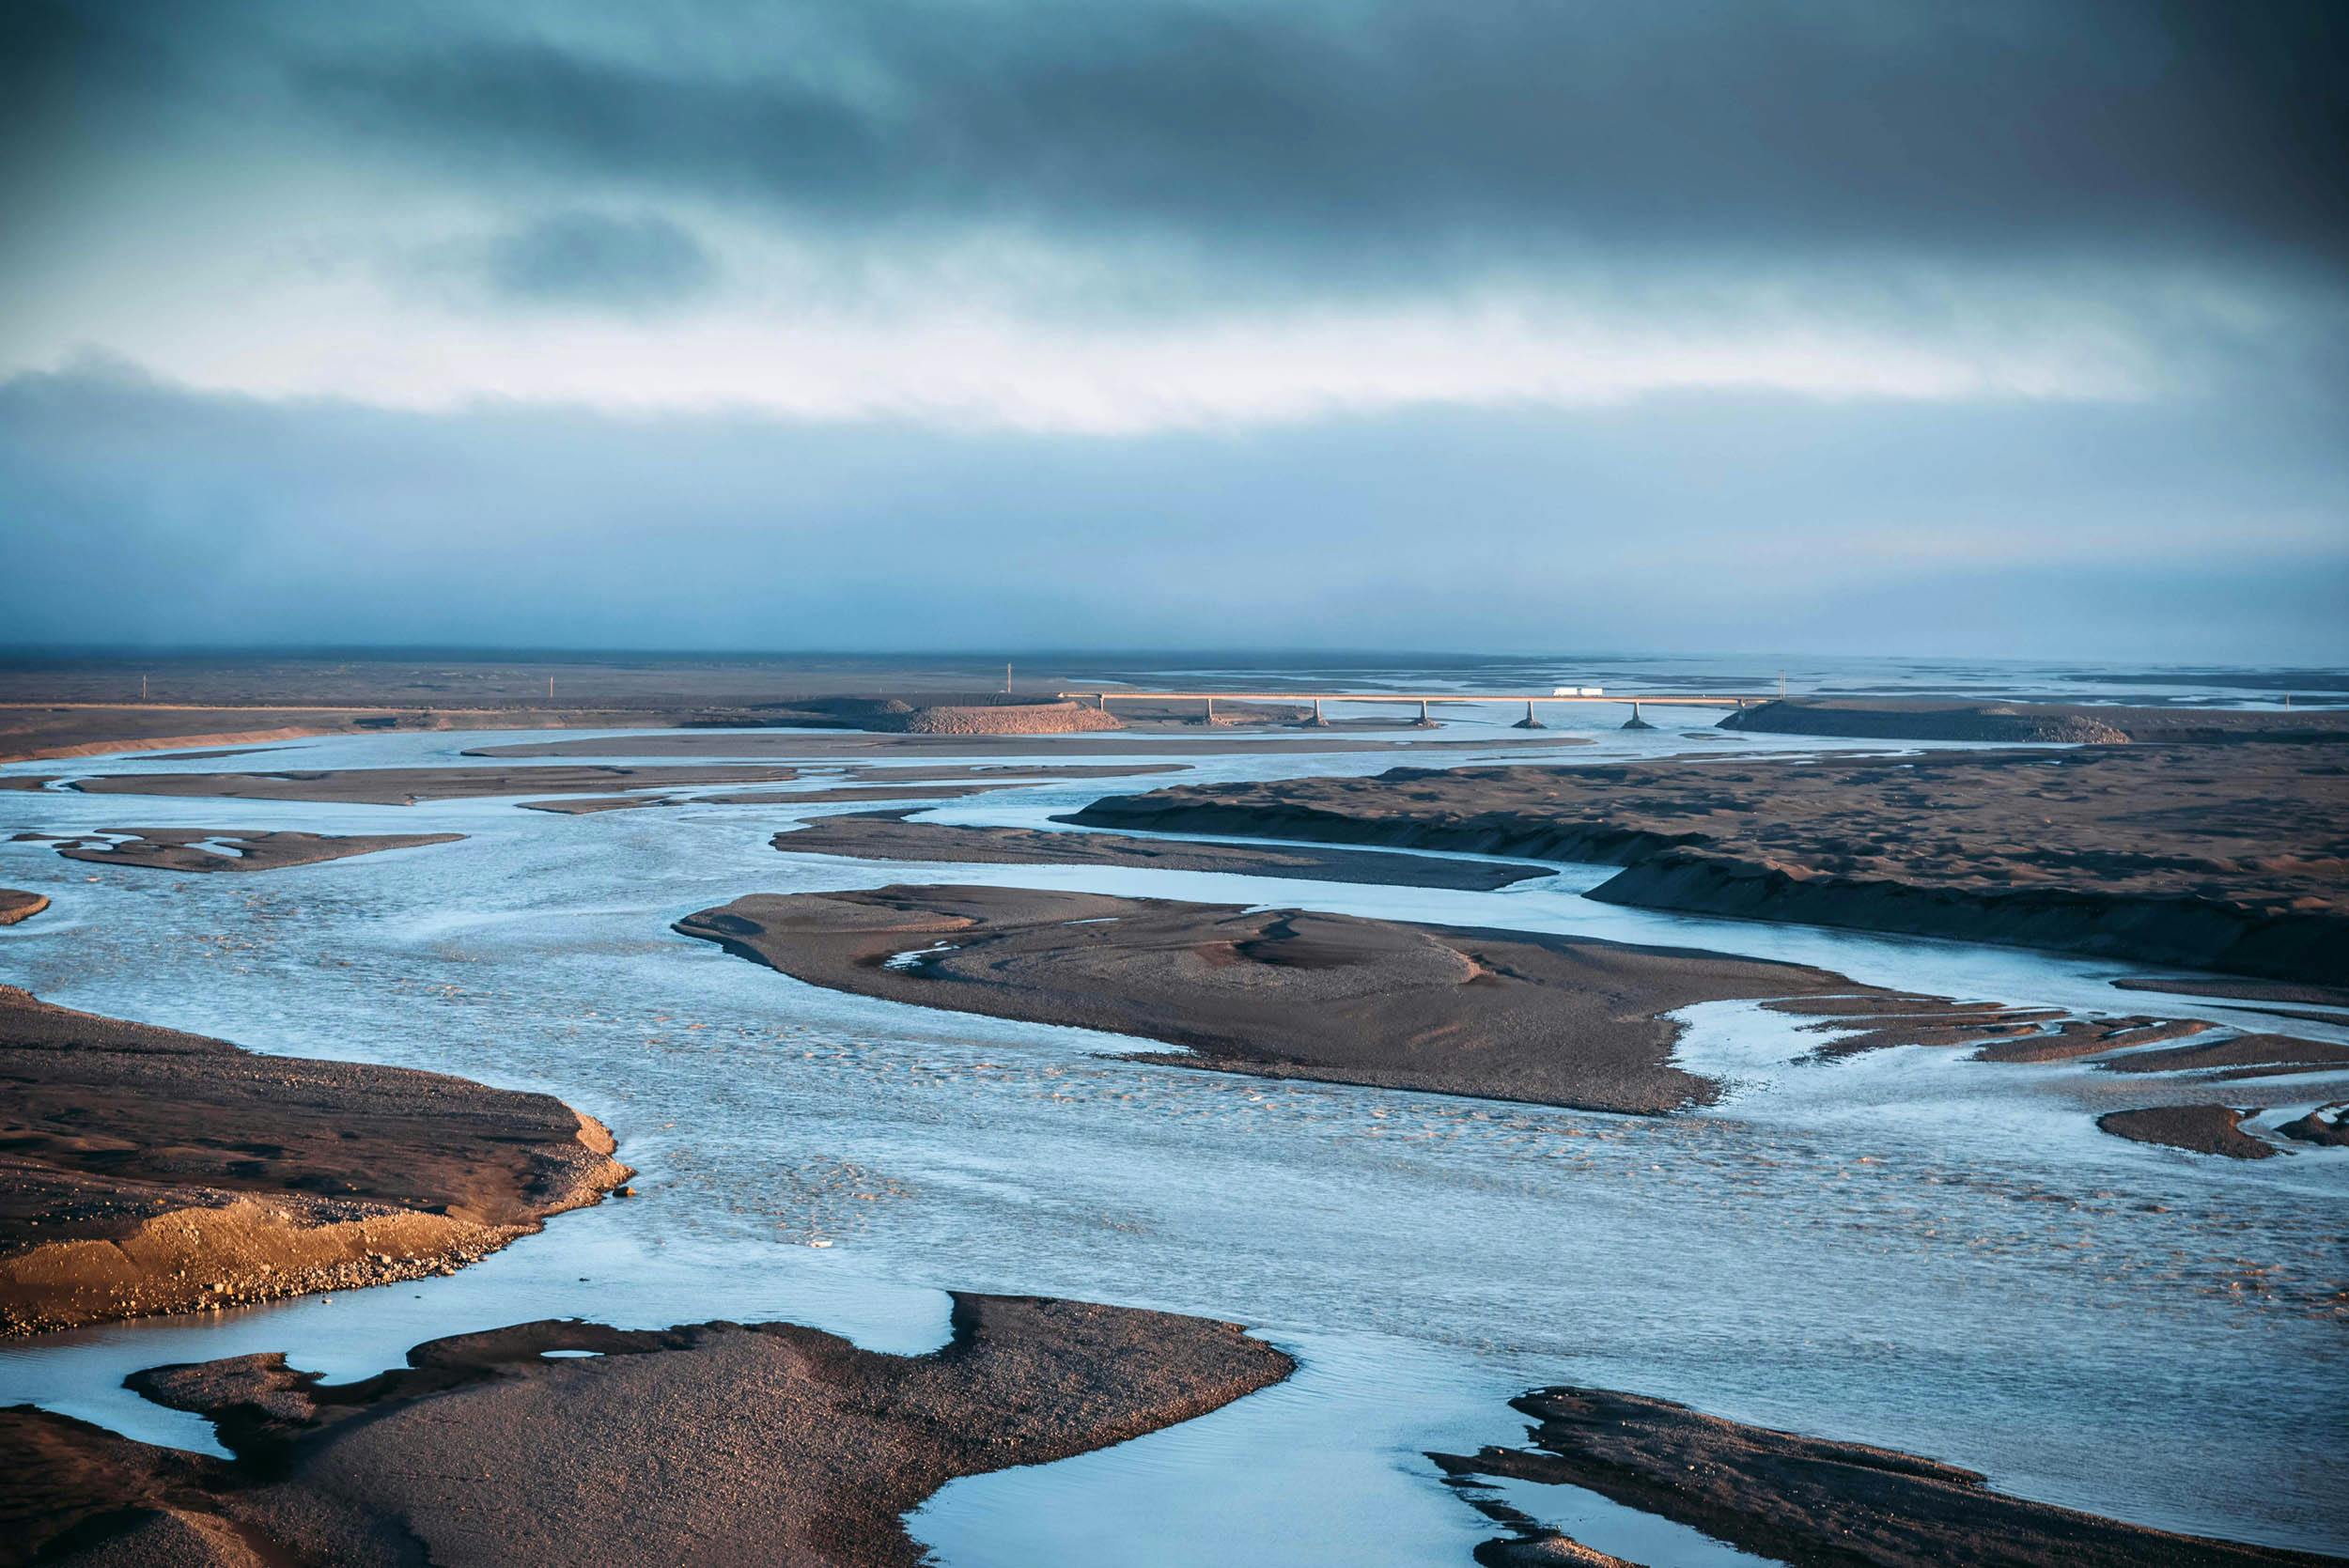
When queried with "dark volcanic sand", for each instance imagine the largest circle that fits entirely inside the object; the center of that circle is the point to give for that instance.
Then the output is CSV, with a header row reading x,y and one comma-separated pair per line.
x,y
2223,857
2203,1129
1808,1501
1284,993
1941,719
888,836
16,904
405,786
146,1171
174,848
715,1444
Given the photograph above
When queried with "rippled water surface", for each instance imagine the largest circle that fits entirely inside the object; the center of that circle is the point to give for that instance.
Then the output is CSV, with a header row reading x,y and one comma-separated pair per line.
x,y
1904,1248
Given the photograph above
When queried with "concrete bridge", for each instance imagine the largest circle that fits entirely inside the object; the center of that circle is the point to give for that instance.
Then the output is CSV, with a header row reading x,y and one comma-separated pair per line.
x,y
1424,701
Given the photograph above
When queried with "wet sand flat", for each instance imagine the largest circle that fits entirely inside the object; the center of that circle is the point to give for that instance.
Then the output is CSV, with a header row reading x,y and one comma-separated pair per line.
x,y
143,1169
2243,1056
18,905
184,848
1799,1500
29,731
1279,993
714,1444
866,784
2233,858
590,804
405,786
888,836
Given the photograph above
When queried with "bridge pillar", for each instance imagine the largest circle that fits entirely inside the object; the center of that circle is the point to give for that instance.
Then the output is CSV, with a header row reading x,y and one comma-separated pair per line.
x,y
1423,721
1210,710
1316,721
1634,722
1529,721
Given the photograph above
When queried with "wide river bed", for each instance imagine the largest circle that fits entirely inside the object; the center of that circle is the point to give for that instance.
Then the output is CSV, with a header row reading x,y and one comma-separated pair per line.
x,y
1904,1248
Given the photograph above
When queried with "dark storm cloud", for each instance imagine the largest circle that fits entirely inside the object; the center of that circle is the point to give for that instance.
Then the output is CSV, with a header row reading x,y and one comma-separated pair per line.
x,y
142,512
601,260
1414,130
2215,126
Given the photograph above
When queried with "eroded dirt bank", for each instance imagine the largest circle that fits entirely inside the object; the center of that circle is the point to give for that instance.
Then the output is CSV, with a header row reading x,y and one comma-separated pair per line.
x,y
2233,858
1282,993
886,835
714,1444
143,1169
1808,1501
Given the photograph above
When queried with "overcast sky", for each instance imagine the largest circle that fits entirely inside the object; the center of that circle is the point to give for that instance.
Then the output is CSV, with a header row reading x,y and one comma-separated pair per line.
x,y
1848,326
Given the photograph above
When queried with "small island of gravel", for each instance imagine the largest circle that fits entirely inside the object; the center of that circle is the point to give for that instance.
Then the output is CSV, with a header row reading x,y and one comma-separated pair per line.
x,y
2201,1129
18,905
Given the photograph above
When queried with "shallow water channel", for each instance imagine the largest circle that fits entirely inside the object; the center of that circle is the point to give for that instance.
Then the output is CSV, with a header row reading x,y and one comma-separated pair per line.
x,y
1904,1248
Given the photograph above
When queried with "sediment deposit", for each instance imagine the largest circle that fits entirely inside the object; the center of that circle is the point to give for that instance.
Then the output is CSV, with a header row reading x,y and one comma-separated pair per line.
x,y
143,1169
2233,858
714,1444
1810,1500
1280,993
